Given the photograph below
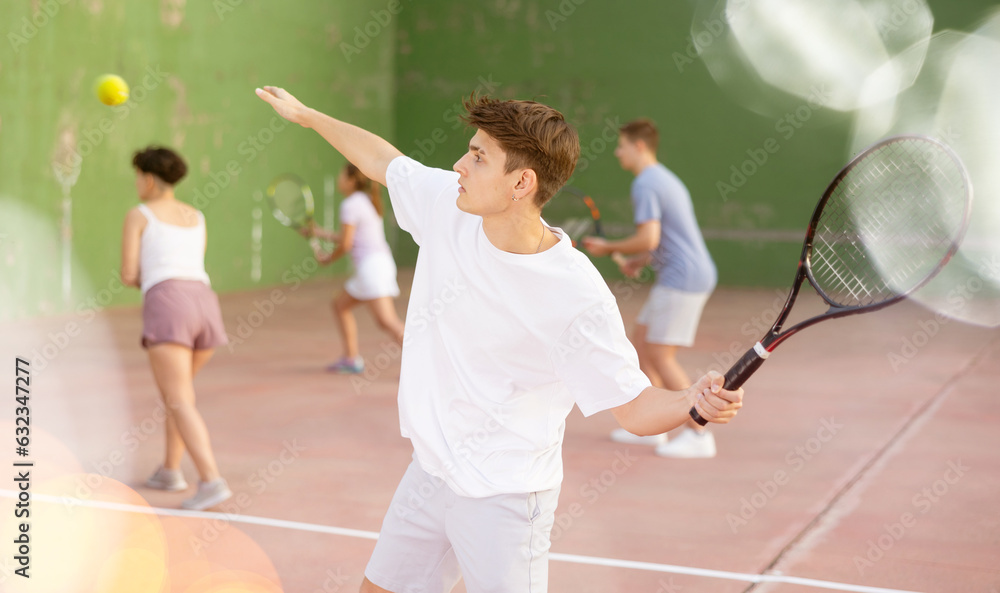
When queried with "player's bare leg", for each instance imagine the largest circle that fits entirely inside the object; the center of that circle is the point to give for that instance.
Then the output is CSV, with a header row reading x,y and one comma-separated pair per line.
x,y
346,323
388,320
694,441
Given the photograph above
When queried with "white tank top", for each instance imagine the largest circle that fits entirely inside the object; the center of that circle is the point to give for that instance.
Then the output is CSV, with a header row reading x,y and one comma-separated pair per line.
x,y
171,252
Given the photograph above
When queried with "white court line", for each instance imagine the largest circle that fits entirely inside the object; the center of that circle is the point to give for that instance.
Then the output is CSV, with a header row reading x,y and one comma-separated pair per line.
x,y
373,535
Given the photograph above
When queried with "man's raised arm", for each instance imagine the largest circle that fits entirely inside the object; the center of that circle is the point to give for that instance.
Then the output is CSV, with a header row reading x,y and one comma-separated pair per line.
x,y
368,152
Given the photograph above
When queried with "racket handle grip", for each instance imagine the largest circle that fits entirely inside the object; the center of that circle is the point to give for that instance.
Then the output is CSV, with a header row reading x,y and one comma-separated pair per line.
x,y
737,375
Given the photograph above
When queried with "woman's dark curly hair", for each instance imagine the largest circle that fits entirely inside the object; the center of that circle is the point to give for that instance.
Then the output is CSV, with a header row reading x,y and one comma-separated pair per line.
x,y
162,162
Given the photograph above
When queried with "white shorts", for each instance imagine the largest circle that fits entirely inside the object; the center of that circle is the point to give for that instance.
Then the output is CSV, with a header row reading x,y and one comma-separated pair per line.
x,y
431,537
671,316
374,277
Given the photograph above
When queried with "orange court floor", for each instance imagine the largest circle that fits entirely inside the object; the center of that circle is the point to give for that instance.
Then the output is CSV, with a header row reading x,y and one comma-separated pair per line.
x,y
865,459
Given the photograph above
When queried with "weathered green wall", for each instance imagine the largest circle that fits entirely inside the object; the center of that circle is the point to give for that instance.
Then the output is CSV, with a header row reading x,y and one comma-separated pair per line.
x,y
398,67
604,63
193,68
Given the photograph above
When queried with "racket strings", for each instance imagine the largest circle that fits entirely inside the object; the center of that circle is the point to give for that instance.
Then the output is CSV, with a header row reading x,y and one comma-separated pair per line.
x,y
888,223
291,201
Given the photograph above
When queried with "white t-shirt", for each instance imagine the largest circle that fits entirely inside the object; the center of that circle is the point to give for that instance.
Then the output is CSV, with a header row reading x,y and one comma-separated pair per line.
x,y
358,211
498,346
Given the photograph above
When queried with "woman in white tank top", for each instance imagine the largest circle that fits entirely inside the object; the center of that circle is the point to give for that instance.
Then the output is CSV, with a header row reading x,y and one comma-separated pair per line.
x,y
163,254
362,234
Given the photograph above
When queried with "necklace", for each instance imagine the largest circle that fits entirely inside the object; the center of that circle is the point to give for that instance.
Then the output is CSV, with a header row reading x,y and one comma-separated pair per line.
x,y
540,239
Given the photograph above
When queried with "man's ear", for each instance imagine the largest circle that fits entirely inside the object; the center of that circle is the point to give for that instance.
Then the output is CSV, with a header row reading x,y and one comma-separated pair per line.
x,y
527,184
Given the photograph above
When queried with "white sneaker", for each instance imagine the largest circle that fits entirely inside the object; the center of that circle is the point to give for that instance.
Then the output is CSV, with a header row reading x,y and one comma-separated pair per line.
x,y
620,435
691,444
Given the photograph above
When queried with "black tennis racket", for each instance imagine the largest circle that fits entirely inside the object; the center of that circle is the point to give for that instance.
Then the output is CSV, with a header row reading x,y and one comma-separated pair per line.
x,y
887,224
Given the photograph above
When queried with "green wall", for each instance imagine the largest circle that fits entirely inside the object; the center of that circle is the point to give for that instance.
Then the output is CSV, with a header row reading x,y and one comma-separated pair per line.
x,y
602,63
397,67
193,68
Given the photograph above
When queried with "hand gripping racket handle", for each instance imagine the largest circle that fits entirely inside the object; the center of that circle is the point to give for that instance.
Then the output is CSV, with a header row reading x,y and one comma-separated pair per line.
x,y
737,374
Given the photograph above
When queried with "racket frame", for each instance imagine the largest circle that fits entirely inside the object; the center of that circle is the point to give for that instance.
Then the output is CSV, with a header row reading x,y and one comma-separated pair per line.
x,y
755,356
307,196
595,213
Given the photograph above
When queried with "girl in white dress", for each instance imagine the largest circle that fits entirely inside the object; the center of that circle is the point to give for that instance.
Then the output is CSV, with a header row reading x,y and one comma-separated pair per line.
x,y
362,234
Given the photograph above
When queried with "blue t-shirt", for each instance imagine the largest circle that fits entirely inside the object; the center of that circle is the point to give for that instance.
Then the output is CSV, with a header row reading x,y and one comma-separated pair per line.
x,y
681,260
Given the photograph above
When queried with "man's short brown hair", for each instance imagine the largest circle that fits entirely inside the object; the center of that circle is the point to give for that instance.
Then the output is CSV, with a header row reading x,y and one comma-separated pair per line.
x,y
533,136
641,129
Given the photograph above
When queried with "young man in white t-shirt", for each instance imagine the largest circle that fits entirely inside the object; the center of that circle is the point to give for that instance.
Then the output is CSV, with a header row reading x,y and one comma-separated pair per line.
x,y
508,326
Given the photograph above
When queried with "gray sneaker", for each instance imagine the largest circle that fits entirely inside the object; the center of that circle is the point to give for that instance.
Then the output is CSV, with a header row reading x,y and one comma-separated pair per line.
x,y
209,494
170,480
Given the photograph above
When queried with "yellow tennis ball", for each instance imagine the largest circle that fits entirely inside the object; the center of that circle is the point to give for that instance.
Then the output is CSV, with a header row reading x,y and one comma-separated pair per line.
x,y
111,89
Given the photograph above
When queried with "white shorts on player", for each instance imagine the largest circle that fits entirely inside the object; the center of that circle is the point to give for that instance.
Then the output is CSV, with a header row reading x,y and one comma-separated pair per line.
x,y
671,316
502,541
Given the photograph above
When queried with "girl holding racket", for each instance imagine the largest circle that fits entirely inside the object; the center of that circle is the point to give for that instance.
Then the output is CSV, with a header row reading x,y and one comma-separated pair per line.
x,y
163,254
362,234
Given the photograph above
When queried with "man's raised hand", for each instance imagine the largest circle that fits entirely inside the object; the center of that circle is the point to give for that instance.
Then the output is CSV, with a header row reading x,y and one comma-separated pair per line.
x,y
285,104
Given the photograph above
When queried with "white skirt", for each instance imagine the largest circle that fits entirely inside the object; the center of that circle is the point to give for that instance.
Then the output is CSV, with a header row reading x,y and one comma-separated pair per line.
x,y
374,277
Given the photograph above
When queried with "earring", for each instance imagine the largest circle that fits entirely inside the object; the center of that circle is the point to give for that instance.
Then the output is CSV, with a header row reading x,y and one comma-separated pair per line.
x,y
515,199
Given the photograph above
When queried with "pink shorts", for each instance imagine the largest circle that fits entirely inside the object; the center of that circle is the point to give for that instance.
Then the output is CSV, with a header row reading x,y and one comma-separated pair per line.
x,y
184,312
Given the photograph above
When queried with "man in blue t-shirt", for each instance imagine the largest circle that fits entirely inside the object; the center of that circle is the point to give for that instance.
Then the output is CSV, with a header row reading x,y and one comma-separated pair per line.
x,y
666,236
